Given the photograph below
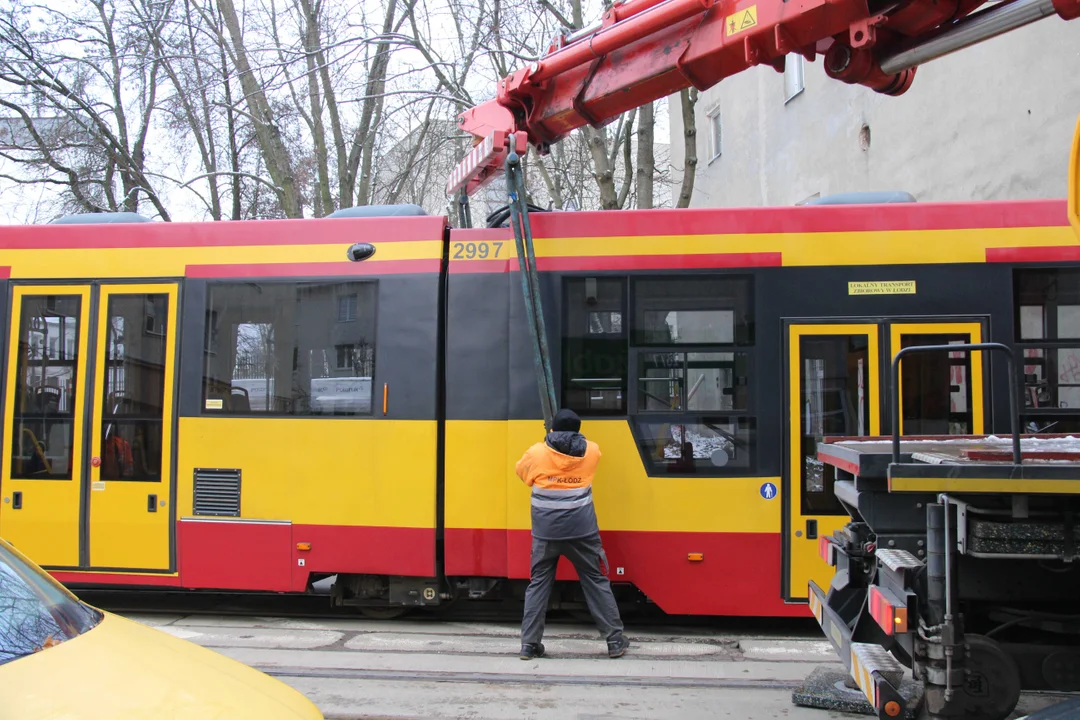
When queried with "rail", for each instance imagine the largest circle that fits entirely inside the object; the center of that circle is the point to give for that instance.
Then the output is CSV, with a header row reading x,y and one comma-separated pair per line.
x,y
1014,412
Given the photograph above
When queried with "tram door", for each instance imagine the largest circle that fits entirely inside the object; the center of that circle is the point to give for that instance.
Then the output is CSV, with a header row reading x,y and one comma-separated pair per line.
x,y
940,394
835,389
86,479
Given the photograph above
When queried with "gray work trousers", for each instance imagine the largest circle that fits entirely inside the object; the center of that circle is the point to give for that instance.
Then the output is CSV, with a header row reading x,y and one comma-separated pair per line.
x,y
586,554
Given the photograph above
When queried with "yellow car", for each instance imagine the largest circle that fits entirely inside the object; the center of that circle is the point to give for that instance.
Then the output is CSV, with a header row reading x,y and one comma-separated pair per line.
x,y
61,658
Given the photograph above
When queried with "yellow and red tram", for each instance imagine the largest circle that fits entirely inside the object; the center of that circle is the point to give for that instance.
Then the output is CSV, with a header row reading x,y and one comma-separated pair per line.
x,y
235,406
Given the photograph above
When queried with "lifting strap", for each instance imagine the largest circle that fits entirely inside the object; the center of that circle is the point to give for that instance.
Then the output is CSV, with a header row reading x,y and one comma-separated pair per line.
x,y
530,280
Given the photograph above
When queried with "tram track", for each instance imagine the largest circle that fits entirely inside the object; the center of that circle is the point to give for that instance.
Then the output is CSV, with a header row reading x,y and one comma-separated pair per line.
x,y
318,608
516,679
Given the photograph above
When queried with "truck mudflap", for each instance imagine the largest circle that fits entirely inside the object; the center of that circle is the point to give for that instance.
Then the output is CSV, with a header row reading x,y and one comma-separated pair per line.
x,y
877,673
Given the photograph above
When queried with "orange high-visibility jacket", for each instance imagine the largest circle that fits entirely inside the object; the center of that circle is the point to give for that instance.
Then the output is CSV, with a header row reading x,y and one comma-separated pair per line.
x,y
562,504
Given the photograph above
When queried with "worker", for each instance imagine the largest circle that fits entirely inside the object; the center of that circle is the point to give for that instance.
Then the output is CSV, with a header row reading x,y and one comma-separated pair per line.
x,y
560,472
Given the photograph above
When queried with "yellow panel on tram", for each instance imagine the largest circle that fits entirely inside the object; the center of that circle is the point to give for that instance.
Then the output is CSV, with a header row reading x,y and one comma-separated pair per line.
x,y
1074,182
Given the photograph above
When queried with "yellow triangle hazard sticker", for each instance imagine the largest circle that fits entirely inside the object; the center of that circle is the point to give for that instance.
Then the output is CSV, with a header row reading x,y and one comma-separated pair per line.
x,y
741,21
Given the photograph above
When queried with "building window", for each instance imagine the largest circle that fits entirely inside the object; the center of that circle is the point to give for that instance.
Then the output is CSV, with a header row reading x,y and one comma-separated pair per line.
x,y
346,308
594,371
715,134
794,82
1047,326
345,357
278,348
692,360
156,315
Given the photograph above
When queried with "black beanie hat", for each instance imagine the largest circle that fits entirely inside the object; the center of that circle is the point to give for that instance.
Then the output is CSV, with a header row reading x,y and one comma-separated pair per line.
x,y
566,421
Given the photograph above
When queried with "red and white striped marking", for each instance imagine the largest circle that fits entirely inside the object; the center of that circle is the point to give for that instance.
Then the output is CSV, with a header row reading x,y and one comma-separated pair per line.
x,y
483,162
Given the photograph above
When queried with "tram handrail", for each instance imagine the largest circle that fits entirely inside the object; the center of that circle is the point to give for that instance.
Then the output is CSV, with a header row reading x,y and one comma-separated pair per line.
x,y
1014,412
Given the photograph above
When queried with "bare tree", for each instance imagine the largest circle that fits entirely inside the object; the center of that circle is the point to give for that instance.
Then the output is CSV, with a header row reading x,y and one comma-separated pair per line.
x,y
623,154
83,90
289,107
687,101
361,155
646,156
185,58
275,154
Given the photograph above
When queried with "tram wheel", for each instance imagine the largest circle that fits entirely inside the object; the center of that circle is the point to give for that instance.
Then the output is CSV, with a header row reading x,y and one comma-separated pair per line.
x,y
992,683
382,613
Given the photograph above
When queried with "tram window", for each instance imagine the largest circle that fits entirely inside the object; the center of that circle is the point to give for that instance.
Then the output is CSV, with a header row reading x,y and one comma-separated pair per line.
x,y
1031,322
46,376
1052,378
1047,304
595,352
937,392
1060,423
133,395
696,445
1047,317
695,382
295,349
835,381
693,311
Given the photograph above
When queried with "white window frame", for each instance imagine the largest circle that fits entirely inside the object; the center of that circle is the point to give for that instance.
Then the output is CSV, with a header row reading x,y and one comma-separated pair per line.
x,y
794,77
716,133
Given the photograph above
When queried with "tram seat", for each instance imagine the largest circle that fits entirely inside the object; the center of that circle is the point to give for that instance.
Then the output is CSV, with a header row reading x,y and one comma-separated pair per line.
x,y
47,400
238,401
234,400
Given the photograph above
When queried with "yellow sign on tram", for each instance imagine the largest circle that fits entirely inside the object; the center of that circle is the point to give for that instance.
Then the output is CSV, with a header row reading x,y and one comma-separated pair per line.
x,y
882,287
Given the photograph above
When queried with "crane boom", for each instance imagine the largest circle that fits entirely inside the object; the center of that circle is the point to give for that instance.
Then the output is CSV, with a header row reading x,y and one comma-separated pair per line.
x,y
644,50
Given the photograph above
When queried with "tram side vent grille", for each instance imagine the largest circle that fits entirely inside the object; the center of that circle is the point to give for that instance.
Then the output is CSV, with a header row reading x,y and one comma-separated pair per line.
x,y
217,492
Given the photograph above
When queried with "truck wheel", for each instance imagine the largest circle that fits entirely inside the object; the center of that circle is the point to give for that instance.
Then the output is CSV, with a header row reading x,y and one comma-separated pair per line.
x,y
992,683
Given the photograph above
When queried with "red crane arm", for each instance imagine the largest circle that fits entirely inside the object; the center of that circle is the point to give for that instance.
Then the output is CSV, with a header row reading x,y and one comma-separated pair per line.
x,y
644,50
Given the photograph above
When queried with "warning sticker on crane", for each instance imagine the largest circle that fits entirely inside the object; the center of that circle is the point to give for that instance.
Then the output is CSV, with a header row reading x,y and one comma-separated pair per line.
x,y
740,21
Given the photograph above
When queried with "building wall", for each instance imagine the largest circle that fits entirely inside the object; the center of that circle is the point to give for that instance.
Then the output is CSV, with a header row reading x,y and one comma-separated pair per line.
x,y
991,122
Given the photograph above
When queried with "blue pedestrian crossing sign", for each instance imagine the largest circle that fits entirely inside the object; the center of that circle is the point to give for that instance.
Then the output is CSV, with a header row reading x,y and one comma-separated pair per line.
x,y
768,491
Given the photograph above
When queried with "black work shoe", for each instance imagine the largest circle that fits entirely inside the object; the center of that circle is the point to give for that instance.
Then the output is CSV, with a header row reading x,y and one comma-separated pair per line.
x,y
617,645
532,650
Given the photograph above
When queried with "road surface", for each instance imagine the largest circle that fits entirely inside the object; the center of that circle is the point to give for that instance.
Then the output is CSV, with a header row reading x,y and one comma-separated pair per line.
x,y
355,669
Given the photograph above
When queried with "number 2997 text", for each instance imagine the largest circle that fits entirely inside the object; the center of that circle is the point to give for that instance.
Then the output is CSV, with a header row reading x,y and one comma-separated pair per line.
x,y
476,250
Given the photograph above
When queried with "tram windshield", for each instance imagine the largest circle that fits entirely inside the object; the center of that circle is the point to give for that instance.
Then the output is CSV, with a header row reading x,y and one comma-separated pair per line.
x,y
36,612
